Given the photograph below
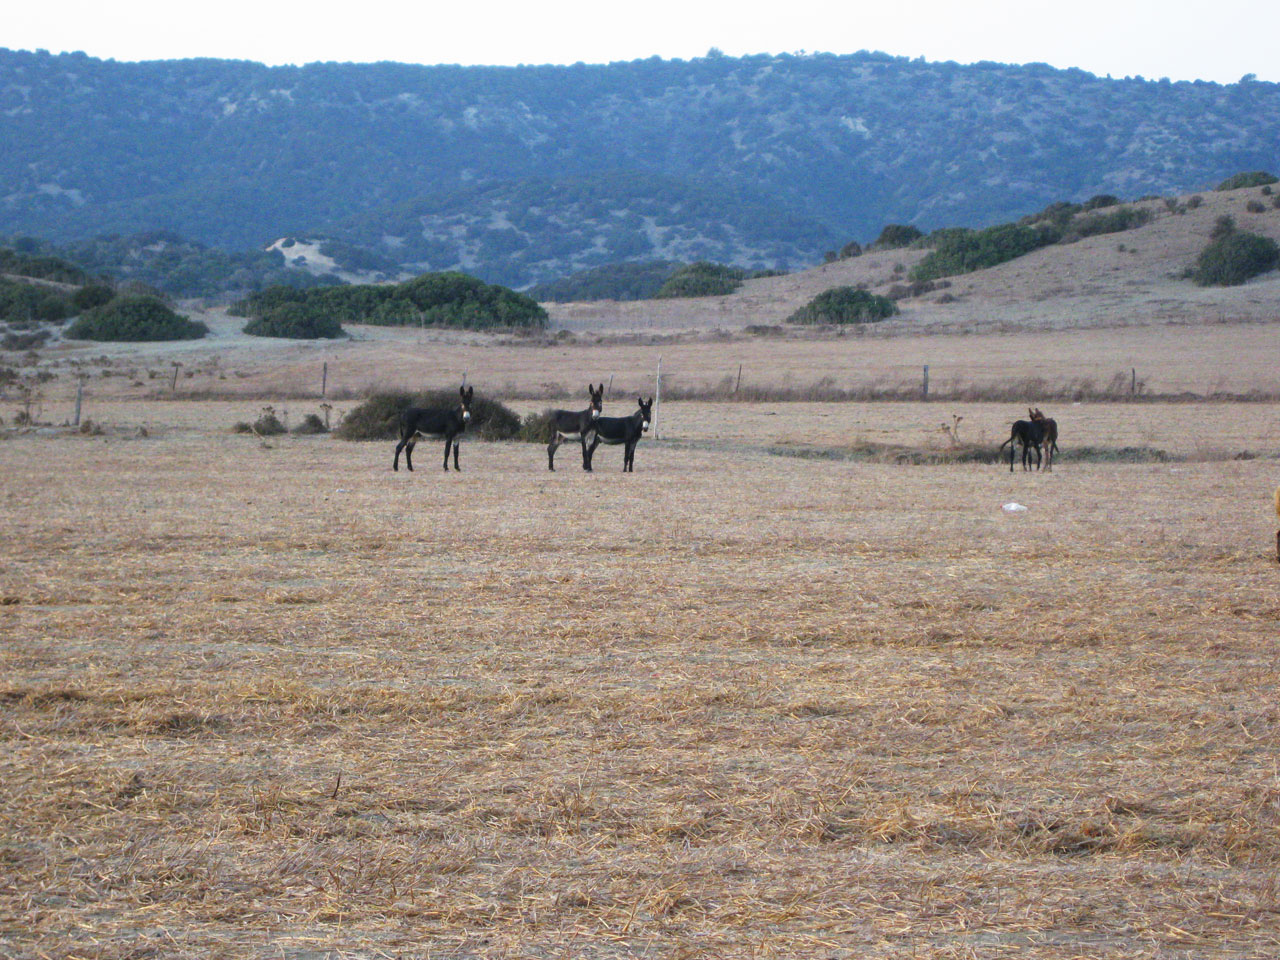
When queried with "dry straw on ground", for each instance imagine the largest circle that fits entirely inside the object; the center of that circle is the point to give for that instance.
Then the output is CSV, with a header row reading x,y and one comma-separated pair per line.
x,y
282,702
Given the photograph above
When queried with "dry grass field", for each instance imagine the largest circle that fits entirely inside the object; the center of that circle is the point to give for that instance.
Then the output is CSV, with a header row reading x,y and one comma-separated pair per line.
x,y
275,700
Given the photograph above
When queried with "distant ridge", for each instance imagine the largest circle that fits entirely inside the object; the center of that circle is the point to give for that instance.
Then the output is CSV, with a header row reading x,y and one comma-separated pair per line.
x,y
526,174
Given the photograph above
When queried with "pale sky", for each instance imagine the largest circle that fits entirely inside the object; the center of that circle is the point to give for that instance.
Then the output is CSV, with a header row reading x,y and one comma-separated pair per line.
x,y
1178,39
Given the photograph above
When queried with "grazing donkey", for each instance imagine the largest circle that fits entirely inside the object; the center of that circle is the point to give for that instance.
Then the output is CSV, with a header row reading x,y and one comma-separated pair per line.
x,y
1050,427
1030,434
434,422
623,430
568,425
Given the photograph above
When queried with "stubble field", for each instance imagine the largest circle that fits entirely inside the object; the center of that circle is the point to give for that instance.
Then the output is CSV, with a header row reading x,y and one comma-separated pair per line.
x,y
275,700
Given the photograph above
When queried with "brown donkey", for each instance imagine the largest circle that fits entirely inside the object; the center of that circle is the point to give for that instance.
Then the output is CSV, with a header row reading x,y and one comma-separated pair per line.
x,y
1050,441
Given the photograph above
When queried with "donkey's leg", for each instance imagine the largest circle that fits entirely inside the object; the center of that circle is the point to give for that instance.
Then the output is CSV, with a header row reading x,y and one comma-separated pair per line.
x,y
457,445
395,463
586,461
551,451
591,452
448,442
408,453
629,457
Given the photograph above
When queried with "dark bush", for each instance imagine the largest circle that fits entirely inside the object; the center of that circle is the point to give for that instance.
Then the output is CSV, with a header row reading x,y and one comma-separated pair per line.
x,y
963,251
378,418
311,424
702,279
29,301
536,428
24,341
1224,226
1194,201
269,425
135,318
1126,218
293,321
92,295
1098,201
1234,258
435,299
845,305
1254,178
897,235
1255,206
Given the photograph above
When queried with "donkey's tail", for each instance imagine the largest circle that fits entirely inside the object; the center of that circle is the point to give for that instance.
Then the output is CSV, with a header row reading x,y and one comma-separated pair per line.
x,y
1005,444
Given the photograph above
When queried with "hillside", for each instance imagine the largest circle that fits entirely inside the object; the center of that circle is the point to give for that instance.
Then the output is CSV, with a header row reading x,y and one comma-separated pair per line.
x,y
530,173
1111,280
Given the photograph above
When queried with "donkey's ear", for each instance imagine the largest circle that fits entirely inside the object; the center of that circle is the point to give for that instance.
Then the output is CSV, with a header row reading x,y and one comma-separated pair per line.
x,y
601,390
462,391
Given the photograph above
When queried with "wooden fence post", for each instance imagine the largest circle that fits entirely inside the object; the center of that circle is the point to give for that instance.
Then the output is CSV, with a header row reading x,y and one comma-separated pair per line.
x,y
324,379
925,387
79,397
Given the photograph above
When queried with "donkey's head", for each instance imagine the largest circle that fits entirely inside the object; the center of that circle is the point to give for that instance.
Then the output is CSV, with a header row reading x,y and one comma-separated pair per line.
x,y
597,400
466,393
646,408
1035,415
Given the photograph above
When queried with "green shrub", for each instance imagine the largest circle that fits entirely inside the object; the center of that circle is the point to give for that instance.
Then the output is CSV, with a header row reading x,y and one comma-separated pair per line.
x,y
293,321
135,318
702,279
435,299
311,424
897,235
1255,178
269,425
1098,201
1234,258
92,295
963,251
1126,218
1255,206
536,428
29,301
378,418
845,305
1224,226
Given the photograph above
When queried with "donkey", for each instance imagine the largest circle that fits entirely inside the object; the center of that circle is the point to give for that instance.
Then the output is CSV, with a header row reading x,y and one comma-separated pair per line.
x,y
1030,434
568,425
622,430
434,422
1050,435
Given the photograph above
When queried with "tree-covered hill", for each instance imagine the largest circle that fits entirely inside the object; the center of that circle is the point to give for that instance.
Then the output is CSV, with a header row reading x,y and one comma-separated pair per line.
x,y
530,173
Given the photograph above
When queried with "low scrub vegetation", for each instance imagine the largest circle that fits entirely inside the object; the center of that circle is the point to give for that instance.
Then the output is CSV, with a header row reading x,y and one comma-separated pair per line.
x,y
433,299
613,281
135,318
378,418
841,305
292,321
1234,256
1252,178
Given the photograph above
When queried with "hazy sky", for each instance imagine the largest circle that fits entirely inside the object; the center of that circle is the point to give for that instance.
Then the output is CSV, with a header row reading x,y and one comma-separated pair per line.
x,y
1179,39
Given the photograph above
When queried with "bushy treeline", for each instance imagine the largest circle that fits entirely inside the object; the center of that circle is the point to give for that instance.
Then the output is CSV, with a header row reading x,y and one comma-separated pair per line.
x,y
433,299
23,260
1251,178
961,250
164,262
703,279
613,281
